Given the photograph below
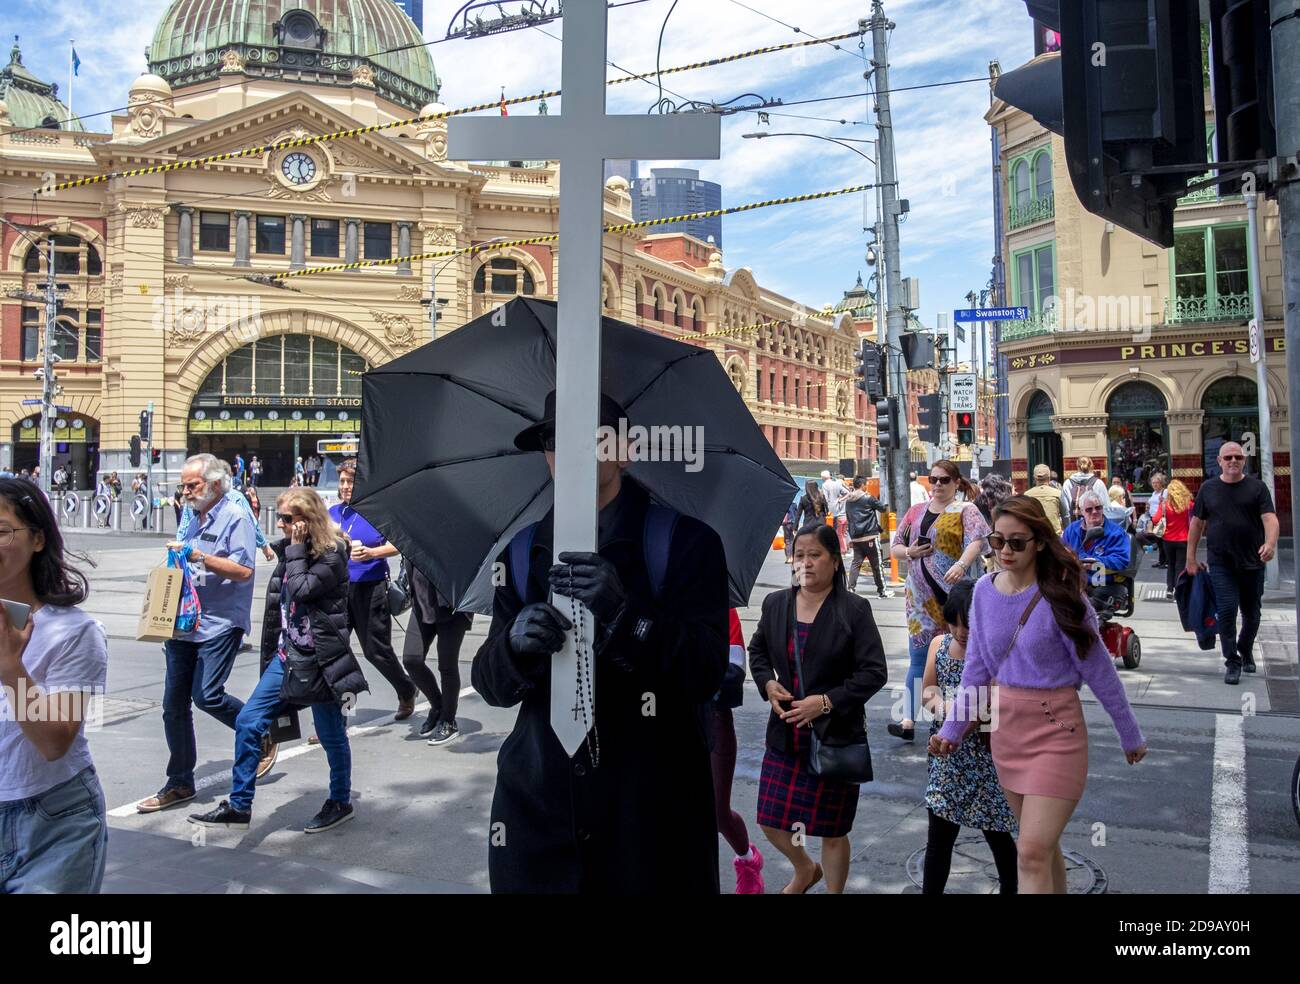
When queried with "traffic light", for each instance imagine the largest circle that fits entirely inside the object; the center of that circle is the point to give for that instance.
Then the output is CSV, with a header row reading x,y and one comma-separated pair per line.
x,y
155,455
929,418
144,425
1126,91
966,429
1242,80
135,451
887,423
871,373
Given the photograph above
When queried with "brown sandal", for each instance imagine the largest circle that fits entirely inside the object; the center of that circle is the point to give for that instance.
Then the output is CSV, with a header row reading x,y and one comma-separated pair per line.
x,y
817,877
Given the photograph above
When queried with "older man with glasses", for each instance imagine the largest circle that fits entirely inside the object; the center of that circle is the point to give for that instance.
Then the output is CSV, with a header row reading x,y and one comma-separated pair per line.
x,y
1102,556
223,547
1242,533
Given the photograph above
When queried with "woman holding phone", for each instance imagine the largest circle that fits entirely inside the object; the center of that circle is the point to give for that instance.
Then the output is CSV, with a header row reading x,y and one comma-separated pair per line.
x,y
941,540
1033,631
53,662
304,637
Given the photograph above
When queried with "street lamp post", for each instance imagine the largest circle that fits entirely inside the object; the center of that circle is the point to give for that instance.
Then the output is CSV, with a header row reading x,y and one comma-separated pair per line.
x,y
435,302
847,144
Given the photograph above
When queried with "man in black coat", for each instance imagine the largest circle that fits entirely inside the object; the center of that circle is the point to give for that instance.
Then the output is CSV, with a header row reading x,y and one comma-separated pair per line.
x,y
641,818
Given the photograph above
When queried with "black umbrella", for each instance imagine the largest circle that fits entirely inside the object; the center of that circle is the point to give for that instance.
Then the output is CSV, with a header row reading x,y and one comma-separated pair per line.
x,y
441,478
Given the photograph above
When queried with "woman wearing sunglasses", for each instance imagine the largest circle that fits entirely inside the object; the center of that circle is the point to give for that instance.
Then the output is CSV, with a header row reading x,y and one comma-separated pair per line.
x,y
305,639
941,540
1034,632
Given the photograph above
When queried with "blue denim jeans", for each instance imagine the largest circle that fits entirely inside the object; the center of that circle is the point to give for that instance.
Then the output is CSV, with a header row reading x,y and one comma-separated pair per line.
x,y
917,653
1237,590
56,842
196,671
255,721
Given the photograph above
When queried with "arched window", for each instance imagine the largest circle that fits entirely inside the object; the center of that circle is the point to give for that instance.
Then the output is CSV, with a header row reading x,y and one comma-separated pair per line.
x,y
1231,412
1020,182
658,313
1138,434
32,261
679,316
1040,406
509,278
1043,175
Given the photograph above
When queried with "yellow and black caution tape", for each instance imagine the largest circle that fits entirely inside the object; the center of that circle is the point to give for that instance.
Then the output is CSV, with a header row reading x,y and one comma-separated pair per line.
x,y
727,59
728,332
194,162
534,240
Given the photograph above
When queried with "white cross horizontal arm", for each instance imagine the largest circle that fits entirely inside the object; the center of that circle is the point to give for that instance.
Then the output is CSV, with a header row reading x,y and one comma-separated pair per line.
x,y
685,136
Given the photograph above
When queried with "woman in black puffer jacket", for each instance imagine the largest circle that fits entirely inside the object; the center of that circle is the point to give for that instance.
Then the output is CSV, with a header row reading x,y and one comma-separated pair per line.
x,y
306,659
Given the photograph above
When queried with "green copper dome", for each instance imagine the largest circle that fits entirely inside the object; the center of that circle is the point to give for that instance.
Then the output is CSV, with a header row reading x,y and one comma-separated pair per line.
x,y
31,102
318,42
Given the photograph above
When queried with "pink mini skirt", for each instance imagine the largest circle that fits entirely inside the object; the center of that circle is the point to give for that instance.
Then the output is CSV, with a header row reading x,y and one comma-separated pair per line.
x,y
1040,742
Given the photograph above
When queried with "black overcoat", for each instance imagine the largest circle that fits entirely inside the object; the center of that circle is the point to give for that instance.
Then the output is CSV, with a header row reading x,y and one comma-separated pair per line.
x,y
644,820
844,659
321,585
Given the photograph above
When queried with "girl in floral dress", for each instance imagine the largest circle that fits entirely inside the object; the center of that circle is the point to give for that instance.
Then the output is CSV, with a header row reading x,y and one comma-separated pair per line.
x,y
963,790
941,540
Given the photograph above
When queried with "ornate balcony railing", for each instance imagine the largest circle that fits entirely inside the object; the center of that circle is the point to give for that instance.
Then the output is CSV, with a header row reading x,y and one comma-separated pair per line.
x,y
1038,323
1225,307
1038,210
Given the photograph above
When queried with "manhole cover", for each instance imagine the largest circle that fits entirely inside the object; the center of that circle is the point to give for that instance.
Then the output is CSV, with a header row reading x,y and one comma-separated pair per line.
x,y
973,871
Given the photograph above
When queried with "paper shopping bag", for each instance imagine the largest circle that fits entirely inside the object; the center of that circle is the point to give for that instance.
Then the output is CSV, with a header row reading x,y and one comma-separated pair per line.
x,y
162,597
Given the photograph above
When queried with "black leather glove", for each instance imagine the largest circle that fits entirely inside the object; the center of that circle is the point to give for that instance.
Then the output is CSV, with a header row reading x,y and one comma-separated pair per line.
x,y
538,630
594,582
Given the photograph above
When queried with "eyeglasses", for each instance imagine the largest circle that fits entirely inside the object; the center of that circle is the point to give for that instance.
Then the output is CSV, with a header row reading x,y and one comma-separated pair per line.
x,y
284,517
1092,509
1017,543
940,479
7,534
1234,457
189,486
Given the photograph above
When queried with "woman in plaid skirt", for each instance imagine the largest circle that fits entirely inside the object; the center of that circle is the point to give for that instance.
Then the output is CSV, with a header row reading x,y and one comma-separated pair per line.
x,y
844,665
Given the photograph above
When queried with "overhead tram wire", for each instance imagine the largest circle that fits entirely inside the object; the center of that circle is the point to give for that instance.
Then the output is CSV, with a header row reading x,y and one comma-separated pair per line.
x,y
792,27
196,162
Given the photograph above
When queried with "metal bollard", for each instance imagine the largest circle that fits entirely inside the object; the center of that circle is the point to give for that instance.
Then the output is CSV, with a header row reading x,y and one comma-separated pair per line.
x,y
115,514
85,513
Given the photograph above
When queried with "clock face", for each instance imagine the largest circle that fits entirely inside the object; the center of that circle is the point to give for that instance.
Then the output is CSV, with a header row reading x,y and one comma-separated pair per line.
x,y
298,167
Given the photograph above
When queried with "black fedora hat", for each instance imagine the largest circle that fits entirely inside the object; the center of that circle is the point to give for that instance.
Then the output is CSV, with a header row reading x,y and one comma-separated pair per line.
x,y
530,438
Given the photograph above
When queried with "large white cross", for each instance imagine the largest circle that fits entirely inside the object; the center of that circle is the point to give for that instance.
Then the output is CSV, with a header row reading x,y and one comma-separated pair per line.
x,y
581,138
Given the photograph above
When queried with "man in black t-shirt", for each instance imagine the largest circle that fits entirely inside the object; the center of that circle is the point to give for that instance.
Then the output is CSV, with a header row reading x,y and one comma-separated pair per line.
x,y
1243,529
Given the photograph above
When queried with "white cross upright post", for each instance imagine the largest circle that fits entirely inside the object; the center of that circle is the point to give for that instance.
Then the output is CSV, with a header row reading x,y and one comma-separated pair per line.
x,y
582,137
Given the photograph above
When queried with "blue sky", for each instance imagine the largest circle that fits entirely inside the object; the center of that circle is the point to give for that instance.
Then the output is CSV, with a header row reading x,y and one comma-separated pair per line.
x,y
810,252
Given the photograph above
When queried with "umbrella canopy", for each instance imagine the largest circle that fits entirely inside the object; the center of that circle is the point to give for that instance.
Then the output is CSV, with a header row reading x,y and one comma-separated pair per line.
x,y
439,474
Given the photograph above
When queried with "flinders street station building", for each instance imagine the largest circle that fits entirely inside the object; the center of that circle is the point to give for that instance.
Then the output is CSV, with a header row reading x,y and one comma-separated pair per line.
x,y
163,291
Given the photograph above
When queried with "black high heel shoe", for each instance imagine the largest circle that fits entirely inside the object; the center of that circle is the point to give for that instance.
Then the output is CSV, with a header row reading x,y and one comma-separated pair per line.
x,y
898,731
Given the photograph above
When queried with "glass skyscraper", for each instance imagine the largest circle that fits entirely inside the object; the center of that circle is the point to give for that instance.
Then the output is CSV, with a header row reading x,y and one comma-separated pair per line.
x,y
678,191
414,10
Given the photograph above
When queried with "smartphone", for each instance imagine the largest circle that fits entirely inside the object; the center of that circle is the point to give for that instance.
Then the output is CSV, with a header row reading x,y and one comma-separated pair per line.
x,y
17,612
922,541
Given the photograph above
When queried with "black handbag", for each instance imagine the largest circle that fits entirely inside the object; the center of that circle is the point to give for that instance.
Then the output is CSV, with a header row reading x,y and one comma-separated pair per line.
x,y
399,591
849,762
304,681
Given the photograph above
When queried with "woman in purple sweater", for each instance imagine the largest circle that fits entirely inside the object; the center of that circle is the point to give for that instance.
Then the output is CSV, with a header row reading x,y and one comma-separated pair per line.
x,y
1037,656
